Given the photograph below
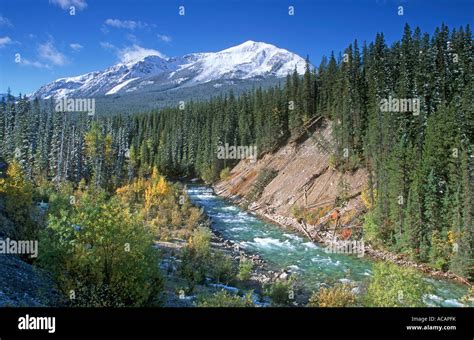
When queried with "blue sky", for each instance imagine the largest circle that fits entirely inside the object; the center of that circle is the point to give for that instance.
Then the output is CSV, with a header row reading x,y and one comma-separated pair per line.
x,y
53,44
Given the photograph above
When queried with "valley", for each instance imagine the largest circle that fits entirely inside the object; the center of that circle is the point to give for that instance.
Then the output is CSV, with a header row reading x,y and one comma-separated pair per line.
x,y
389,190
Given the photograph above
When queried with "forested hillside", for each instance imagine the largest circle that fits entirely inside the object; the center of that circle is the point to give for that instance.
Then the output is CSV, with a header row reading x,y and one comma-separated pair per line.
x,y
420,162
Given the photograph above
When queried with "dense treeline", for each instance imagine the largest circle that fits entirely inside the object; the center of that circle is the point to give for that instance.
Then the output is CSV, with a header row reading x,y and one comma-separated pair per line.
x,y
419,158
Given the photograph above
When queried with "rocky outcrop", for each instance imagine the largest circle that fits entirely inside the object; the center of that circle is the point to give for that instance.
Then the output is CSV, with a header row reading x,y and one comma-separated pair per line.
x,y
24,285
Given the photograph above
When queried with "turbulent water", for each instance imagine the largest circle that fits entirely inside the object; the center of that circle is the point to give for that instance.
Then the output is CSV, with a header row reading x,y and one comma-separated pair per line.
x,y
286,250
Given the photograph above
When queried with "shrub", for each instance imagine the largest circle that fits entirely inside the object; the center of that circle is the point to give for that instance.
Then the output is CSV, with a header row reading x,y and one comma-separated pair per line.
x,y
333,161
18,194
280,293
200,242
195,257
103,253
245,269
394,286
209,174
440,250
468,299
164,207
225,173
371,229
367,199
221,268
226,299
337,296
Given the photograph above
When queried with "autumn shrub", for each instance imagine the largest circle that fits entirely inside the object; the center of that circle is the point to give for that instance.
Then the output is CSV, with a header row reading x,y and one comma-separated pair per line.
x,y
17,194
164,207
101,254
367,198
333,161
340,295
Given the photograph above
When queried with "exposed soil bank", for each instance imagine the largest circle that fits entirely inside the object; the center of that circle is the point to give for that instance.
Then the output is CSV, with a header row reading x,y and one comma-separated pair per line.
x,y
306,181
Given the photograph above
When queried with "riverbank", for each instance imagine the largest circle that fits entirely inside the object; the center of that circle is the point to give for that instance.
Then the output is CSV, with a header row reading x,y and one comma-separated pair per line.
x,y
283,248
261,275
325,238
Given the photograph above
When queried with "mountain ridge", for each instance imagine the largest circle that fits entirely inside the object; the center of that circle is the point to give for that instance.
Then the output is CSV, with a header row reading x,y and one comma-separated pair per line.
x,y
248,61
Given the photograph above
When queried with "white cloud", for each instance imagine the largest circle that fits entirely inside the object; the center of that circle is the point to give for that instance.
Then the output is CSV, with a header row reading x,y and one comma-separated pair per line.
x,y
5,22
76,46
107,46
136,52
33,63
4,41
48,52
165,38
66,4
132,38
127,24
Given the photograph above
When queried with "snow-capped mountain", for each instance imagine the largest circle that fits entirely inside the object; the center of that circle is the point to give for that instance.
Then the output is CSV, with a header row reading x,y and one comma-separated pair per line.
x,y
250,60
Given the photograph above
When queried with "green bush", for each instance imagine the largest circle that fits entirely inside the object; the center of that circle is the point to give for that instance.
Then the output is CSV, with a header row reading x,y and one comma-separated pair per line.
x,y
221,268
195,257
394,286
371,229
101,254
245,269
226,299
280,293
333,161
225,173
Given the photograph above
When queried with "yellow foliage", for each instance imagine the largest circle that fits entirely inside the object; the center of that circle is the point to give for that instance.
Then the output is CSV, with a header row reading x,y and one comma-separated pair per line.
x,y
154,175
156,188
338,296
162,187
156,200
366,198
451,237
19,198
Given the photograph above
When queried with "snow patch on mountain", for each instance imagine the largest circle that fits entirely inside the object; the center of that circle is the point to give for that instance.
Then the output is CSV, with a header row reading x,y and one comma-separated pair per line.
x,y
250,60
120,86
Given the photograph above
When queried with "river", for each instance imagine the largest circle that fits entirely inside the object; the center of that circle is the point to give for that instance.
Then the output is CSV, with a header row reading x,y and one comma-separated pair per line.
x,y
282,249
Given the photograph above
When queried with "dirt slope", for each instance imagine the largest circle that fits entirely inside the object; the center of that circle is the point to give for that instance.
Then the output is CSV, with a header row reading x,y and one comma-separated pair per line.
x,y
305,186
306,194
